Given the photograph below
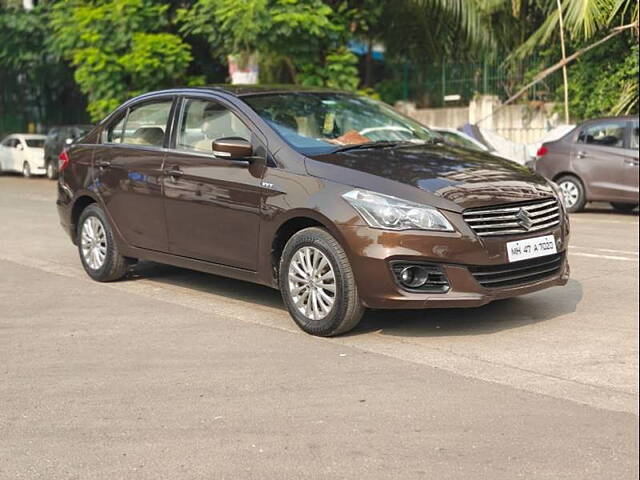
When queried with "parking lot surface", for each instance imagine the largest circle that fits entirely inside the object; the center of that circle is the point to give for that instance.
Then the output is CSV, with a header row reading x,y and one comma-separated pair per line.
x,y
177,374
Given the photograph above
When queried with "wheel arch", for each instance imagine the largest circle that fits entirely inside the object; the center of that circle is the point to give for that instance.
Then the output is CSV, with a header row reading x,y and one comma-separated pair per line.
x,y
566,173
287,227
79,204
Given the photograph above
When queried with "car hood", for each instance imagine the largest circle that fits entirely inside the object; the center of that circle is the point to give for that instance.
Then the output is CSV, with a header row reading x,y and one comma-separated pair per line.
x,y
458,177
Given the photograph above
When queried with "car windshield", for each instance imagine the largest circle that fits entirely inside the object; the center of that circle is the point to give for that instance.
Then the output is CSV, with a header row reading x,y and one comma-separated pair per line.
x,y
35,142
316,123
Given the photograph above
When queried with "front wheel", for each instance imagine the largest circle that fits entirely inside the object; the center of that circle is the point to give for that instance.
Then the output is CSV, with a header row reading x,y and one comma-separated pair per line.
x,y
97,247
26,170
318,285
624,207
573,195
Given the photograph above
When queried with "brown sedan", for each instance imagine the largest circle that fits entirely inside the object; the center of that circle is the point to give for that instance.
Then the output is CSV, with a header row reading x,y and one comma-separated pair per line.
x,y
337,200
596,161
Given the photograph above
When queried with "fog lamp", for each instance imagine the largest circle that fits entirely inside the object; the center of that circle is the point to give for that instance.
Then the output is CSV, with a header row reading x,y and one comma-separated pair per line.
x,y
414,276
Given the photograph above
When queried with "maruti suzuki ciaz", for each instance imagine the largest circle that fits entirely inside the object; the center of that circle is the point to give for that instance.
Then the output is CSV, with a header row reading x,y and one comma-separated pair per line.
x,y
335,199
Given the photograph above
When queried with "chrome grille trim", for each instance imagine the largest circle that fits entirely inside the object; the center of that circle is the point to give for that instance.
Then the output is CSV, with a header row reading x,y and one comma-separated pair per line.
x,y
504,220
518,273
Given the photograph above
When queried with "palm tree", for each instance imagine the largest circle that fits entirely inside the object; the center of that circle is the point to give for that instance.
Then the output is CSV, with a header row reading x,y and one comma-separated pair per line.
x,y
508,24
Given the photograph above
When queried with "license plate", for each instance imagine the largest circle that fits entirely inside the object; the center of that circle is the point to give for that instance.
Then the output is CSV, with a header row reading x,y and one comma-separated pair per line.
x,y
531,248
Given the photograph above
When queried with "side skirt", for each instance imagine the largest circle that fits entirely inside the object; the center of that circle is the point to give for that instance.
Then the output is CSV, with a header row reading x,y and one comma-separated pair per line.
x,y
193,264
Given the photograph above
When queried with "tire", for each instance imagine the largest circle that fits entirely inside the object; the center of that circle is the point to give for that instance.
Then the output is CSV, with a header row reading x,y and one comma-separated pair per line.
x,y
108,265
574,197
323,249
52,170
624,207
26,170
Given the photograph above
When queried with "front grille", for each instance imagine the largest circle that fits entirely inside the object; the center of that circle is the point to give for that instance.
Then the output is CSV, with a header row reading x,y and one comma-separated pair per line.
x,y
513,219
517,273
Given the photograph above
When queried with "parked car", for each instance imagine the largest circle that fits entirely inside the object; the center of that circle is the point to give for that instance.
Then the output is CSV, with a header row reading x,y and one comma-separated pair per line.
x,y
281,187
58,139
596,161
457,137
23,152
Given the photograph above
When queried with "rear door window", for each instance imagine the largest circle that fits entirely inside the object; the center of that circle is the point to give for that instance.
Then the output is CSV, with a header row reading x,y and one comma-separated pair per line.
x,y
147,124
114,132
634,143
604,134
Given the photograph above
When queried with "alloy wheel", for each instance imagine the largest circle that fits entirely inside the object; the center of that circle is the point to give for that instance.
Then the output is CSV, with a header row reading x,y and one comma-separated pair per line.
x,y
94,242
312,283
570,193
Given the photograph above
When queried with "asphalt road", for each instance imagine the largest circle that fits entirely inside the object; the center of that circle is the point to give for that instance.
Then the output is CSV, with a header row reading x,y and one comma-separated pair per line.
x,y
174,374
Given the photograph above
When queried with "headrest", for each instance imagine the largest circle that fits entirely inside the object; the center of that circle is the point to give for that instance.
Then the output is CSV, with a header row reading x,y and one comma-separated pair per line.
x,y
148,136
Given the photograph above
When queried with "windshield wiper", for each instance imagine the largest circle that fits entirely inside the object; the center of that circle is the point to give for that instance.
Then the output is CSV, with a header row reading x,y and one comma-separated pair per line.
x,y
370,145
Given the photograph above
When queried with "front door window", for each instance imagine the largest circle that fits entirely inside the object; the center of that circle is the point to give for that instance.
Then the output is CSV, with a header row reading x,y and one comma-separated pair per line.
x,y
203,121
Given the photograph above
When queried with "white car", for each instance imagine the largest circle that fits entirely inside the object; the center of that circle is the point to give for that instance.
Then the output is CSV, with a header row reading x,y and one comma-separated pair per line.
x,y
23,152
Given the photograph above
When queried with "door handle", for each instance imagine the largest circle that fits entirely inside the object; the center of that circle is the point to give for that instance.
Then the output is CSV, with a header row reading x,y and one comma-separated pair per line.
x,y
173,172
103,164
582,154
631,161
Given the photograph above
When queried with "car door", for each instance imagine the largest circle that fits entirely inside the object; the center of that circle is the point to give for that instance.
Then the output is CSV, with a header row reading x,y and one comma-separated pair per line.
x,y
6,154
128,168
19,153
598,157
630,171
212,205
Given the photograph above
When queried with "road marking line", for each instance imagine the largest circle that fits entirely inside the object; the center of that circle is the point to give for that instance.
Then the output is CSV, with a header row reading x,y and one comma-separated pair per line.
x,y
604,257
609,250
593,221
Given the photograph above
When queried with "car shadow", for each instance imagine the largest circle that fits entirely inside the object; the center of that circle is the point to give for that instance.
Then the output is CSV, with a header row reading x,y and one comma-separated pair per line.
x,y
494,317
207,283
604,208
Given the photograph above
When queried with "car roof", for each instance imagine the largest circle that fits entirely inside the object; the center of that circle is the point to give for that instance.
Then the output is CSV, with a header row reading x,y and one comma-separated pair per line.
x,y
621,117
29,136
74,125
244,90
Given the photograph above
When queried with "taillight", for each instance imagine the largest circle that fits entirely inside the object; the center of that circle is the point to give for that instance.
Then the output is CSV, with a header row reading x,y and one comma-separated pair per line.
x,y
63,161
542,151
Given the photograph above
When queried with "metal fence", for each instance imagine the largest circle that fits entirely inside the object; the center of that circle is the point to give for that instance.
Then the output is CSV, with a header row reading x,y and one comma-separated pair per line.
x,y
430,85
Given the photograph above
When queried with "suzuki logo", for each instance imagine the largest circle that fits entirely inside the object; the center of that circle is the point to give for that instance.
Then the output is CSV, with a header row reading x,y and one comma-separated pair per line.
x,y
524,219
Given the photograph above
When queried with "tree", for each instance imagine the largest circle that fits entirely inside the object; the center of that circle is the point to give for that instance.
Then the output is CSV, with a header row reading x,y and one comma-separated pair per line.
x,y
297,41
119,48
34,83
611,76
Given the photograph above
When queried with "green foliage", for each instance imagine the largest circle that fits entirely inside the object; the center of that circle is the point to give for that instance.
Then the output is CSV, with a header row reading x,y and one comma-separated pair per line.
x,y
34,83
304,38
597,81
339,71
119,48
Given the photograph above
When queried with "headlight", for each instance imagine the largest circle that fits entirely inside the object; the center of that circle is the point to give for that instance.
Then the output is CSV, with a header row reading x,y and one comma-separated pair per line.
x,y
383,211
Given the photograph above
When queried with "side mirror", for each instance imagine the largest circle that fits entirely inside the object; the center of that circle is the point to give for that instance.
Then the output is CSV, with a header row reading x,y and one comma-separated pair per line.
x,y
69,141
19,146
232,148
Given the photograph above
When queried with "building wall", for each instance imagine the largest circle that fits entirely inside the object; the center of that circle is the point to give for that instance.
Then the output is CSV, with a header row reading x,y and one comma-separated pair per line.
x,y
518,123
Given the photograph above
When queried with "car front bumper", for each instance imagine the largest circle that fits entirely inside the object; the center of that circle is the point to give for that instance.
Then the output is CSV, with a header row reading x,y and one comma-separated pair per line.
x,y
371,252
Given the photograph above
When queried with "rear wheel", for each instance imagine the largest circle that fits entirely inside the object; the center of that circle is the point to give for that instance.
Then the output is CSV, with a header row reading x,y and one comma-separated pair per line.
x,y
624,207
317,284
52,171
26,170
97,247
573,195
